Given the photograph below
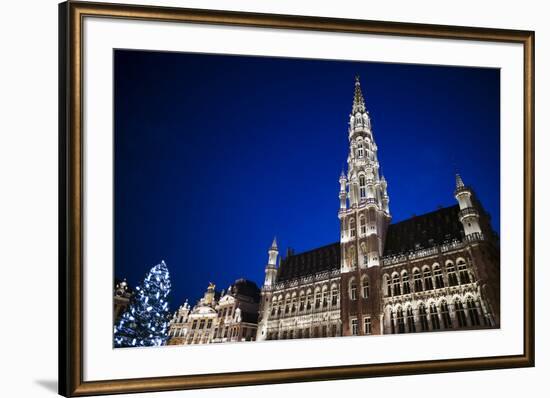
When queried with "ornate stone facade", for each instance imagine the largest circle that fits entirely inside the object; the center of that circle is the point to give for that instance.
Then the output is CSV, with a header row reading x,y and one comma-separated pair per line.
x,y
304,299
218,317
438,271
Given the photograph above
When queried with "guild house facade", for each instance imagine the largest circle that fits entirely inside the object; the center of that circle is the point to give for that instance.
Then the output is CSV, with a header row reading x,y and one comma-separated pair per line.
x,y
434,272
218,317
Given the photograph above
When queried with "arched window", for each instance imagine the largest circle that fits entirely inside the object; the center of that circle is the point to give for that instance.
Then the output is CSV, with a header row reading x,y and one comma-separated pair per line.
x,y
287,305
309,300
447,323
428,283
438,275
302,304
362,186
434,317
388,285
363,225
352,227
400,321
451,274
423,316
417,281
317,299
365,288
472,312
353,290
406,285
463,272
459,309
410,320
334,300
273,307
396,285
325,296
392,321
360,150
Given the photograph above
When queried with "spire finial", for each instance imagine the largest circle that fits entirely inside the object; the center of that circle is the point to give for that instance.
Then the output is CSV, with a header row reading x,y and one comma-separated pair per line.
x,y
274,244
459,182
358,101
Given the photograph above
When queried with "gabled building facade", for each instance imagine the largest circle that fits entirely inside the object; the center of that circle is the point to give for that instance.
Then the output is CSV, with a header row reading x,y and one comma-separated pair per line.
x,y
229,316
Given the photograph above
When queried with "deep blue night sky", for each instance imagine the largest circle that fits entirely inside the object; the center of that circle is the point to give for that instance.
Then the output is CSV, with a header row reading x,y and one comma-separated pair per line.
x,y
214,155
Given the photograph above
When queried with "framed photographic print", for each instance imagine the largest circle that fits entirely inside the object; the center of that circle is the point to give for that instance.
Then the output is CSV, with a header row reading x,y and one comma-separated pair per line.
x,y
251,199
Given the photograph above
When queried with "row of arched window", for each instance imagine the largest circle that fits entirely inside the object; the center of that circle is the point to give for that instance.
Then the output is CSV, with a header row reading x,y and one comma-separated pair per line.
x,y
331,330
320,298
437,317
427,278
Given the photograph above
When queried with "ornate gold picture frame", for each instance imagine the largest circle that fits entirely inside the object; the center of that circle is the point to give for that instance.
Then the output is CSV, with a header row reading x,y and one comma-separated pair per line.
x,y
72,206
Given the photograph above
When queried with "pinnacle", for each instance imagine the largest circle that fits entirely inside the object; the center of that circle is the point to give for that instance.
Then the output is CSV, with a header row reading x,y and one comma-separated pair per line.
x,y
459,182
358,100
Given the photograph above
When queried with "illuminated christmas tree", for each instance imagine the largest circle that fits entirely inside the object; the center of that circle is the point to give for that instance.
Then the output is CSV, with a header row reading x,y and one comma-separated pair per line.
x,y
145,322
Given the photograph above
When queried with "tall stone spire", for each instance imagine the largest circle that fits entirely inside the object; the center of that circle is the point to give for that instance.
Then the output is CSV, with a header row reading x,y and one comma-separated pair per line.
x,y
459,182
469,214
359,120
271,267
364,202
267,289
358,100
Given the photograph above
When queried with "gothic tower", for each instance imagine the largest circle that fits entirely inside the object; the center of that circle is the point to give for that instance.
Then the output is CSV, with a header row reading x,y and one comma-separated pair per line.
x,y
483,248
469,215
364,218
267,290
364,213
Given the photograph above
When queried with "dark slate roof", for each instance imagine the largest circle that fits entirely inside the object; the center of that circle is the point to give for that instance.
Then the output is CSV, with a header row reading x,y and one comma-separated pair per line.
x,y
424,231
246,288
325,258
249,317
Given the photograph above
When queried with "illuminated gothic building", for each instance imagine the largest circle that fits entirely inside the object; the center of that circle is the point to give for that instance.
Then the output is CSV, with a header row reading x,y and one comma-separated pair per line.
x,y
218,317
434,272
